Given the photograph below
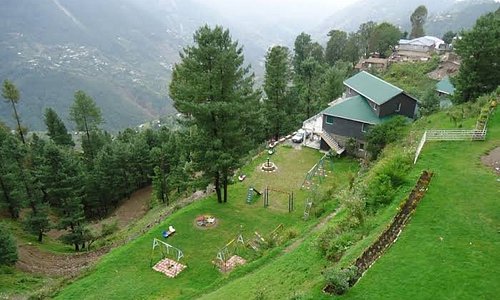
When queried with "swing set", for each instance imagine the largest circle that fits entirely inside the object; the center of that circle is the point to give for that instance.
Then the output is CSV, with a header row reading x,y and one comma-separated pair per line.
x,y
227,258
289,194
168,266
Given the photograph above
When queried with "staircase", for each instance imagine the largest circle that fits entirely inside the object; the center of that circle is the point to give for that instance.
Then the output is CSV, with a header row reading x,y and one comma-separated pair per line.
x,y
331,142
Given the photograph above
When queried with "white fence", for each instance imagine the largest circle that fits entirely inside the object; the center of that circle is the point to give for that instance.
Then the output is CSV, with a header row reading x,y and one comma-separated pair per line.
x,y
449,135
455,135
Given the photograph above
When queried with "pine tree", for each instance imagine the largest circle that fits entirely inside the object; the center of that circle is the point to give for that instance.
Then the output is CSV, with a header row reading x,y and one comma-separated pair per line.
x,y
213,89
417,19
65,190
336,46
37,221
11,94
12,192
56,129
87,117
277,87
309,84
302,51
479,70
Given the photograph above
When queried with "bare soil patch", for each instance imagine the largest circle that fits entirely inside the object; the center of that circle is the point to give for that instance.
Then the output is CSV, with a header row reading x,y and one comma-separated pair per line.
x,y
129,210
33,260
492,160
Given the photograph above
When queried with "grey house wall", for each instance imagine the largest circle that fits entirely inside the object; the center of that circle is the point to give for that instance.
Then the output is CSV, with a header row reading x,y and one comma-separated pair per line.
x,y
418,48
350,92
344,127
407,109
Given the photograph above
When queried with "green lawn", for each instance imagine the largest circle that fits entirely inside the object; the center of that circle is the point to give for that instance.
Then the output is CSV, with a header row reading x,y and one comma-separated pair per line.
x,y
125,273
451,247
461,207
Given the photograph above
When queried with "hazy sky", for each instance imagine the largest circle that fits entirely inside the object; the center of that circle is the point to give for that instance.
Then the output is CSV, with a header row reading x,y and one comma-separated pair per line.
x,y
311,12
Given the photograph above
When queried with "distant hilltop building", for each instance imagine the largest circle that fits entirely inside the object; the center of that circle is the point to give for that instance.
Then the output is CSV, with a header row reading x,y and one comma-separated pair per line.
x,y
420,48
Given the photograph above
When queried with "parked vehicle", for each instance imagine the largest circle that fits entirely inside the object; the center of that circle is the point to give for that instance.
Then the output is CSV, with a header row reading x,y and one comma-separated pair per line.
x,y
300,135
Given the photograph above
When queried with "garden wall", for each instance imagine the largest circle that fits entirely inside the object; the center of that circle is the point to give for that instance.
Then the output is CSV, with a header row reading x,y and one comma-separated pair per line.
x,y
389,236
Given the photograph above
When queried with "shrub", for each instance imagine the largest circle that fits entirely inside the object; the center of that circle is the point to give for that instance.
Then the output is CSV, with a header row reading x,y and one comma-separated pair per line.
x,y
383,134
339,280
386,178
8,248
429,103
396,167
109,228
380,191
338,245
291,233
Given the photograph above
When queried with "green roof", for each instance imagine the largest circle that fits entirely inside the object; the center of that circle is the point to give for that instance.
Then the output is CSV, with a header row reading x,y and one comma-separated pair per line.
x,y
354,108
372,87
445,86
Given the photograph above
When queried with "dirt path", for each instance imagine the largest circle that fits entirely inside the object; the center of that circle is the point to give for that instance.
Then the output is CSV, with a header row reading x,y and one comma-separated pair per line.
x,y
33,260
492,160
316,228
133,208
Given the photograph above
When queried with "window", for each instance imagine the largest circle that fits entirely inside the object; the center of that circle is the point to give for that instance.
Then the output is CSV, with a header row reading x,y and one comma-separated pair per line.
x,y
361,147
399,107
329,120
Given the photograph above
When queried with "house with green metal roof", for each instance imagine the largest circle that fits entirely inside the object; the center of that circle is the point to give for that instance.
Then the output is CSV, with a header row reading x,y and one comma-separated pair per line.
x,y
368,101
445,87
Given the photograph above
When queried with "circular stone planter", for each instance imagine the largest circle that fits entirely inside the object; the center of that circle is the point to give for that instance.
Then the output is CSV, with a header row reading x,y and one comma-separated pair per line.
x,y
268,167
206,221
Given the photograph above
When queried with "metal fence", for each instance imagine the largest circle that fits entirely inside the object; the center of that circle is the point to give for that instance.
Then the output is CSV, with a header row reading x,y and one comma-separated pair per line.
x,y
449,135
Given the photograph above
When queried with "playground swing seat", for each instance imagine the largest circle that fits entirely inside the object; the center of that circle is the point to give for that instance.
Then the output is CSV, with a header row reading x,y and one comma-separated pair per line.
x,y
169,232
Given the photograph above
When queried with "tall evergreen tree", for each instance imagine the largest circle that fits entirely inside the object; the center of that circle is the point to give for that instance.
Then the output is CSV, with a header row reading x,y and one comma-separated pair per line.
x,y
56,129
11,188
11,94
480,67
333,86
364,32
302,50
309,85
211,87
336,46
277,88
37,222
417,19
87,117
65,190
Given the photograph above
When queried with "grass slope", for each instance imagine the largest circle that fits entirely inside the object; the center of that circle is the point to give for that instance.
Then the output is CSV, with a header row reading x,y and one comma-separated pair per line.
x,y
461,207
125,273
450,249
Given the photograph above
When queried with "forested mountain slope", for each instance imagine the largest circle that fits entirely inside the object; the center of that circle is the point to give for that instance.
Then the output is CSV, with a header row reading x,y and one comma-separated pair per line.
x,y
119,52
442,15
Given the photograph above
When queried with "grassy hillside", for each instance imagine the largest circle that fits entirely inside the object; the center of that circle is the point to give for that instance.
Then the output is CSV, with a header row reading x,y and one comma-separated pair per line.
x,y
451,246
447,250
126,271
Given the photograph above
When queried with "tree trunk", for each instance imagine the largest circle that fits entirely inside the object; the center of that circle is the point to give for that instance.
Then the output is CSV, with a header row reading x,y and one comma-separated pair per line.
x,y
217,187
40,236
224,183
18,122
87,132
13,213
